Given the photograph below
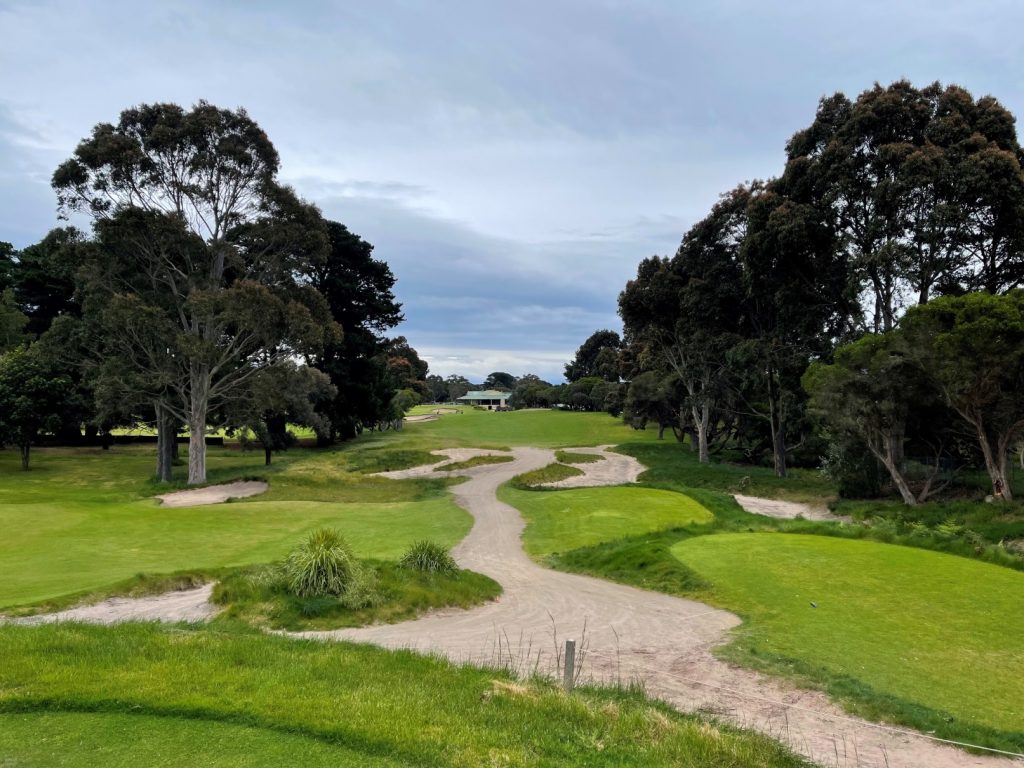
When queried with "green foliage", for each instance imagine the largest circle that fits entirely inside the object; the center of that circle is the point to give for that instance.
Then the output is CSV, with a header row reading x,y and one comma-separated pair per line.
x,y
428,557
597,357
322,565
34,391
12,322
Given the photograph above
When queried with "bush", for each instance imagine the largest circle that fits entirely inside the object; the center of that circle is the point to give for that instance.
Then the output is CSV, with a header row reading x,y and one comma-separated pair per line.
x,y
321,565
429,557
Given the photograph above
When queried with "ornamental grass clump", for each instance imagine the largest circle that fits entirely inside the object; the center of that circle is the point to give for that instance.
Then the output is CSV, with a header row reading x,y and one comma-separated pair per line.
x,y
429,557
321,565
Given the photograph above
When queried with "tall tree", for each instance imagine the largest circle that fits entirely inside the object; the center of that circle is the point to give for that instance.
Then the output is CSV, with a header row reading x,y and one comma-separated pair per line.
x,y
684,311
360,292
972,347
227,245
500,380
597,356
33,397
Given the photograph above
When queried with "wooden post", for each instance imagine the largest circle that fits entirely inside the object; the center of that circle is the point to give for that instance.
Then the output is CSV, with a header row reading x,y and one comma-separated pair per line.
x,y
569,678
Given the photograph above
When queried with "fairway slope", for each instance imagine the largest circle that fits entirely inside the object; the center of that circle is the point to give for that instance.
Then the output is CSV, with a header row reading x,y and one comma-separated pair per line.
x,y
629,634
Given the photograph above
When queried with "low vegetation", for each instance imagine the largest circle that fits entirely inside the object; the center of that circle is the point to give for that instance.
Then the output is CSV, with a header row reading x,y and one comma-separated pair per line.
x,y
340,704
552,473
476,461
428,557
569,457
383,592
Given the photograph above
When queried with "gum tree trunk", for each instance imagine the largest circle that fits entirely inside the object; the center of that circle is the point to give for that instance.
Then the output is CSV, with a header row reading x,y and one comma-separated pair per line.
x,y
200,398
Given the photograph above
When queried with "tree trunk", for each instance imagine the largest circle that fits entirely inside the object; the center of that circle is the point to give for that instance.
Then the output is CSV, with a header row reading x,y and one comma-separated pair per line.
x,y
995,463
199,395
892,444
778,426
166,439
268,455
701,417
661,434
25,448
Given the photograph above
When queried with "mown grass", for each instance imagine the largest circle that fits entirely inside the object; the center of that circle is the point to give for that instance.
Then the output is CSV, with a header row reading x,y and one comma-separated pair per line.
x,y
568,457
476,461
385,708
561,521
80,520
258,596
542,429
939,637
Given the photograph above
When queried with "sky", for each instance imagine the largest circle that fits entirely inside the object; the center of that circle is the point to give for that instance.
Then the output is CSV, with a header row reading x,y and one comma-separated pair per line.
x,y
511,161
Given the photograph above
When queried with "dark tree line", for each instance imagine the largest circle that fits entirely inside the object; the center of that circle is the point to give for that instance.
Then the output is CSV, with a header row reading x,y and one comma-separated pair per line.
x,y
886,203
208,294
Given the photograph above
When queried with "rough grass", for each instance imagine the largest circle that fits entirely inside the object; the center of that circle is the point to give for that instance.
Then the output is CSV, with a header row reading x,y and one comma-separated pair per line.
x,y
357,704
939,637
81,521
552,473
476,461
568,457
257,596
560,521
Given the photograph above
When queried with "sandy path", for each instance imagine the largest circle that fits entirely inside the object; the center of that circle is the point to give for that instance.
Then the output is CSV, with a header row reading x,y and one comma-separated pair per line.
x,y
632,634
786,510
213,494
184,605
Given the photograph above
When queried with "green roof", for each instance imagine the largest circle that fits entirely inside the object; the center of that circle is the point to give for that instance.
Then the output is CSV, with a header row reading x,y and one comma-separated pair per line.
x,y
485,394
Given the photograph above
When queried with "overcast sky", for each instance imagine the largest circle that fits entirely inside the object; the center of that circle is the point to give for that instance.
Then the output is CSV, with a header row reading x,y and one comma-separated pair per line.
x,y
511,161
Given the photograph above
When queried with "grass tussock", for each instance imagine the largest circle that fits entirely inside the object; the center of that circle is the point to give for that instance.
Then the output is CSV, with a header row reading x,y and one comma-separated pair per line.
x,y
428,557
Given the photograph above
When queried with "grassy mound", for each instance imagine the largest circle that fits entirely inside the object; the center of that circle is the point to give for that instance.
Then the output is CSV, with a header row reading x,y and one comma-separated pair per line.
x,y
560,521
476,461
930,639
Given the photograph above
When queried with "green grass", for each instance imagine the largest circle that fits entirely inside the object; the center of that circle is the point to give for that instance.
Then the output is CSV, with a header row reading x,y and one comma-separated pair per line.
x,y
927,638
552,473
542,429
674,463
476,461
355,704
81,520
115,740
257,596
559,521
567,457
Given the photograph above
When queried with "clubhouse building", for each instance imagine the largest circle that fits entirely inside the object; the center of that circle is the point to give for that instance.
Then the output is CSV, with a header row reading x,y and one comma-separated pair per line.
x,y
486,398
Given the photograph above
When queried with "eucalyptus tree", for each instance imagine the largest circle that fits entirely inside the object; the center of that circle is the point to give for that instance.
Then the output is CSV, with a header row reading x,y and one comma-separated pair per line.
x,y
597,356
206,259
972,348
684,312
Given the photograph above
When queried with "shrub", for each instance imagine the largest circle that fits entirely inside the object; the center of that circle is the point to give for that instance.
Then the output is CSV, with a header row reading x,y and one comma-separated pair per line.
x,y
321,565
429,557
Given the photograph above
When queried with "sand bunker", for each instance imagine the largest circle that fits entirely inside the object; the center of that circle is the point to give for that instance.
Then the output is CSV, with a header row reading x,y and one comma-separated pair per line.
x,y
213,494
616,469
786,510
183,605
449,455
